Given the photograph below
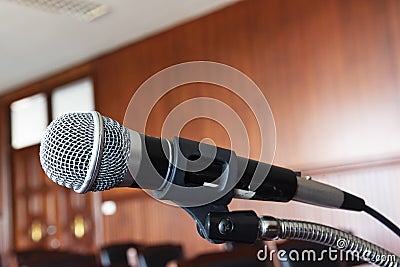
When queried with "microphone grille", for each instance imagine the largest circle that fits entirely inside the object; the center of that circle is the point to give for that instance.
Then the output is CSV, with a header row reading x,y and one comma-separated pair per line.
x,y
66,152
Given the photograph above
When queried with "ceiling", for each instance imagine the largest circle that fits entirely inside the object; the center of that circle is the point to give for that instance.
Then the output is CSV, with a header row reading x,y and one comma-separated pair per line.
x,y
35,43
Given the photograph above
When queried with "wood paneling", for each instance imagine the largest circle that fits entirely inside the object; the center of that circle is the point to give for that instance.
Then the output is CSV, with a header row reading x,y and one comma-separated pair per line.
x,y
377,184
148,221
30,199
3,155
6,225
329,69
46,215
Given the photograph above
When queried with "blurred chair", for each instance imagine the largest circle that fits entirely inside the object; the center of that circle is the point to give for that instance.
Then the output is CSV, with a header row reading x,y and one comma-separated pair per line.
x,y
115,255
48,258
154,256
243,256
230,245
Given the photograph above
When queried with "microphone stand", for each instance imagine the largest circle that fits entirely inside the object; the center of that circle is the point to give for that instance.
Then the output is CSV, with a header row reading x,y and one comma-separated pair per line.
x,y
247,227
216,224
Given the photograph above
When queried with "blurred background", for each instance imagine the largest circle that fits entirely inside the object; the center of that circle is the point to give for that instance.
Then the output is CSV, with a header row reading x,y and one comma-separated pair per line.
x,y
330,71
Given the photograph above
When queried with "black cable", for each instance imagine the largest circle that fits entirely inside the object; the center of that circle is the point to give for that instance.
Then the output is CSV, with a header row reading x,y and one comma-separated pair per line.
x,y
382,219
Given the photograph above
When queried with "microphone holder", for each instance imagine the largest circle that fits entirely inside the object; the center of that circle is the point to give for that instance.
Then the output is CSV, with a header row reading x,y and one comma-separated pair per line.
x,y
247,227
217,225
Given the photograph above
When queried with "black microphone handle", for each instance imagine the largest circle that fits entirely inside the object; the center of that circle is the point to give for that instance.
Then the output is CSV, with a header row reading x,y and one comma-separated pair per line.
x,y
258,180
277,184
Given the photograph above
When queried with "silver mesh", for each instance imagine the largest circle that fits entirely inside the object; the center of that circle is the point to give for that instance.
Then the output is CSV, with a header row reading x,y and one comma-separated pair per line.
x,y
67,145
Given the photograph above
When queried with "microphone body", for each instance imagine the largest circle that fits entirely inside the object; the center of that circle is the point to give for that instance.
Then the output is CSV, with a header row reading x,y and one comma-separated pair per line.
x,y
278,184
119,157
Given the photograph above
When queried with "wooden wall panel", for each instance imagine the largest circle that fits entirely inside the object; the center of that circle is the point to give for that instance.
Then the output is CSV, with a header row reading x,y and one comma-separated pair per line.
x,y
329,69
46,215
377,184
148,221
2,184
6,224
2,156
25,194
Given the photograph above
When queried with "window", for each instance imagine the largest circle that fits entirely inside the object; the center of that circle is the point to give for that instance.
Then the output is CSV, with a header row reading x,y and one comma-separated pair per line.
x,y
28,120
73,97
29,116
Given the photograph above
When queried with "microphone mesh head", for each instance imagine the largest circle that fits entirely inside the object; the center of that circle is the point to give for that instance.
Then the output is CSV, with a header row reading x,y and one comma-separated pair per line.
x,y
66,149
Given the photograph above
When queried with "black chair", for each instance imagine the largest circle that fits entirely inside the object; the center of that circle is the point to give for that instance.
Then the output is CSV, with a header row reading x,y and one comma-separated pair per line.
x,y
159,256
115,254
243,256
48,258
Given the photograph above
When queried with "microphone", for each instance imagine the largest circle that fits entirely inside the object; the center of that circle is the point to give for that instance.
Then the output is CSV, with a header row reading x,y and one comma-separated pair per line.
x,y
91,152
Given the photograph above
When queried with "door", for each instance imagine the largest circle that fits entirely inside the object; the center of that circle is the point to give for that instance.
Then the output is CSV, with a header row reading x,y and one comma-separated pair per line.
x,y
47,215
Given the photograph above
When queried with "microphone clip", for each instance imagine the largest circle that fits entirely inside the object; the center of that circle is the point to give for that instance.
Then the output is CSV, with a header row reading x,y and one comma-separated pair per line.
x,y
200,172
